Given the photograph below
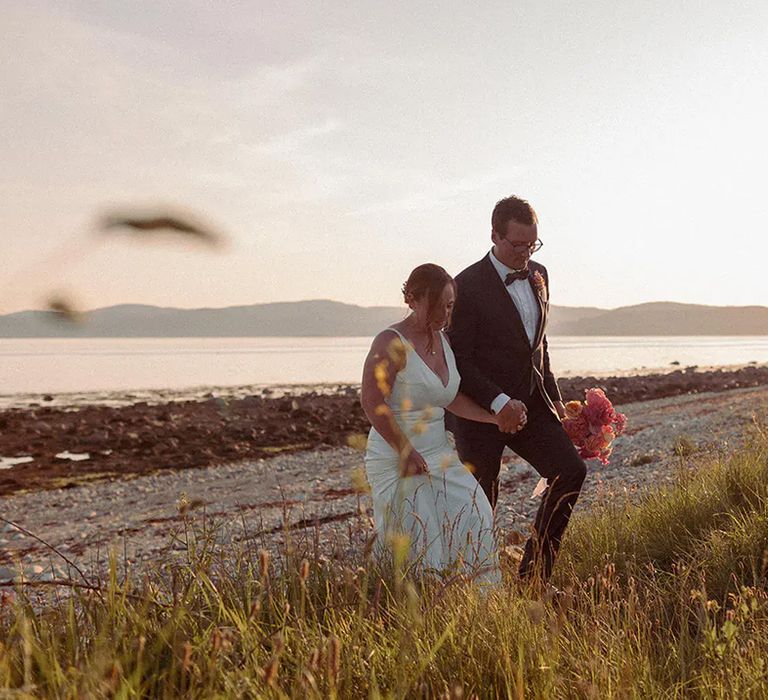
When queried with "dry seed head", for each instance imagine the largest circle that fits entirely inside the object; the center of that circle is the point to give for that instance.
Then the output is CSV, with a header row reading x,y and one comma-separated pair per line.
x,y
382,379
369,543
314,659
186,662
400,543
113,677
270,671
334,657
255,609
357,441
304,570
360,481
397,352
264,563
182,505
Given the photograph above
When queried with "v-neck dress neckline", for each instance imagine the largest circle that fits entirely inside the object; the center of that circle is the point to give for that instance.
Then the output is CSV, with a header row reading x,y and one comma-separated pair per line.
x,y
447,381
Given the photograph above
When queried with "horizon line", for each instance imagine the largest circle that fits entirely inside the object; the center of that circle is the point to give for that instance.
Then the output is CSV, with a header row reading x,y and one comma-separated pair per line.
x,y
360,306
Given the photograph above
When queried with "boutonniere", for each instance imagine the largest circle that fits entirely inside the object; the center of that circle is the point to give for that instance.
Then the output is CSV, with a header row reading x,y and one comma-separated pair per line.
x,y
539,285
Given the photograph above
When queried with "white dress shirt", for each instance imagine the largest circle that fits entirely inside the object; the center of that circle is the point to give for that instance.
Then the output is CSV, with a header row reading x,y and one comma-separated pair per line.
x,y
523,297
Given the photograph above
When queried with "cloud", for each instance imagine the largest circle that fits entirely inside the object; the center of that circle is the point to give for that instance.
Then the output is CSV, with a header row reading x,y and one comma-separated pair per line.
x,y
438,194
288,143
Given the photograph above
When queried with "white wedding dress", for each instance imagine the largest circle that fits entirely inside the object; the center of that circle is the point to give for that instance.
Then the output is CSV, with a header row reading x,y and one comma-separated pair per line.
x,y
445,513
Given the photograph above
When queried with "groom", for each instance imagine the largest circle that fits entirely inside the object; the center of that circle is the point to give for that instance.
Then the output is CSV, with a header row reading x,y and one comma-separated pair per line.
x,y
498,334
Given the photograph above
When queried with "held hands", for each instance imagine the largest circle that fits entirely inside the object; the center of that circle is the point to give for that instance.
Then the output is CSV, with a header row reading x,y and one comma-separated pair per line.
x,y
412,463
513,417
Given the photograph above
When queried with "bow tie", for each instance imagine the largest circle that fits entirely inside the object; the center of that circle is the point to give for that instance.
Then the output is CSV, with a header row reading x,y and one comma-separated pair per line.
x,y
514,276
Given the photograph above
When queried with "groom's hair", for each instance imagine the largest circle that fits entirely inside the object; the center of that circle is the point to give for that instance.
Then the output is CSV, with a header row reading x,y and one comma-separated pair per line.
x,y
512,209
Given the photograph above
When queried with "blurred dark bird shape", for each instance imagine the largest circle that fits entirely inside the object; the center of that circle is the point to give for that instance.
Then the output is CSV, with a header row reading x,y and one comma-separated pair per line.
x,y
159,222
64,310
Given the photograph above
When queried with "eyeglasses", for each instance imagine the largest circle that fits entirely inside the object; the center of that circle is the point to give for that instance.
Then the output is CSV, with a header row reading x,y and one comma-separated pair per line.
x,y
532,247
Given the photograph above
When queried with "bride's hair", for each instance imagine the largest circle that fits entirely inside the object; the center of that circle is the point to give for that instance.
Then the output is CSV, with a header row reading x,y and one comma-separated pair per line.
x,y
427,280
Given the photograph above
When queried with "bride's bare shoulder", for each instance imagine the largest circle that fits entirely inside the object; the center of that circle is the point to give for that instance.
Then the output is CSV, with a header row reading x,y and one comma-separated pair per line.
x,y
389,344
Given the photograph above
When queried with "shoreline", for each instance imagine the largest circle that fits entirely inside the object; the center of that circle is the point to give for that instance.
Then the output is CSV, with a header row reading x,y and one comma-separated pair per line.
x,y
66,445
315,493
115,398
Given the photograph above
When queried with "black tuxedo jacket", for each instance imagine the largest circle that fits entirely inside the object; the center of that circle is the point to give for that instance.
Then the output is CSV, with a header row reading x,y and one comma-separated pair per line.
x,y
487,335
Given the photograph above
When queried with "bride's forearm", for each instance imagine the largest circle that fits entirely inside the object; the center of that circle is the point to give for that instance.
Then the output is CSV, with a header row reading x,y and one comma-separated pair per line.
x,y
383,421
464,407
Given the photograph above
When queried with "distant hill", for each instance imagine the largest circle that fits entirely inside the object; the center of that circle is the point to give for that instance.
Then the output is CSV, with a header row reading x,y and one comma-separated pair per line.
x,y
332,318
667,318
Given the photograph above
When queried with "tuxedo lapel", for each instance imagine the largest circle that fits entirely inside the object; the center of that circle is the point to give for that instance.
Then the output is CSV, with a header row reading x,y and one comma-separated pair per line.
x,y
542,312
507,310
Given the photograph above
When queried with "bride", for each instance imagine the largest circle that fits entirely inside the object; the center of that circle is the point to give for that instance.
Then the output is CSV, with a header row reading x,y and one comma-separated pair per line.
x,y
419,486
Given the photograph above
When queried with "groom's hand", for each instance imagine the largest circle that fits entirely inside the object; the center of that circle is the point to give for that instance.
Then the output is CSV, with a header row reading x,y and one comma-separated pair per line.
x,y
512,417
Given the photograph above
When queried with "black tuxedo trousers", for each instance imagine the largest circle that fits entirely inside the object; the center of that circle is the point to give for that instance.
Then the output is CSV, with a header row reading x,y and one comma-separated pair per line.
x,y
547,448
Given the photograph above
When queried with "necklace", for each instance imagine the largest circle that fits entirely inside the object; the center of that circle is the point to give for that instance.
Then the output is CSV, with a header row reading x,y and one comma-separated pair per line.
x,y
431,352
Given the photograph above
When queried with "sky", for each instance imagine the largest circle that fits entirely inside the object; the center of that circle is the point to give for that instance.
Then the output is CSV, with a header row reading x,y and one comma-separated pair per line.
x,y
339,145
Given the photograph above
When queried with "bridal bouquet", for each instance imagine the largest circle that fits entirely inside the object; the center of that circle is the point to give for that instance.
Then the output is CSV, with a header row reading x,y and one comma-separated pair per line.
x,y
593,424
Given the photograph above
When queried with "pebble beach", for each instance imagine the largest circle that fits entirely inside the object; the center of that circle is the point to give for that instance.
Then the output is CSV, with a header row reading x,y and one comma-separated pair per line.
x,y
300,473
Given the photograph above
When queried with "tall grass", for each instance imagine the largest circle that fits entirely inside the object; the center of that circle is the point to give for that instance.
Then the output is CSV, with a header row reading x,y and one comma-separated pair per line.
x,y
667,599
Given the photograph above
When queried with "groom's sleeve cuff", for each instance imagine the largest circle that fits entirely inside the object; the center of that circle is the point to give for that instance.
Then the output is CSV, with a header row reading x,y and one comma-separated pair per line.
x,y
499,402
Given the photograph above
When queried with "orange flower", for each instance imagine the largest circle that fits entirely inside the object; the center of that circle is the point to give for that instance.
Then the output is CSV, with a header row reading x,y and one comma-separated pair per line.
x,y
573,409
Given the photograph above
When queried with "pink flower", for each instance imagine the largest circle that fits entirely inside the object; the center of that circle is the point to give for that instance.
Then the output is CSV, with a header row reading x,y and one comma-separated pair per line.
x,y
576,428
593,425
598,409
